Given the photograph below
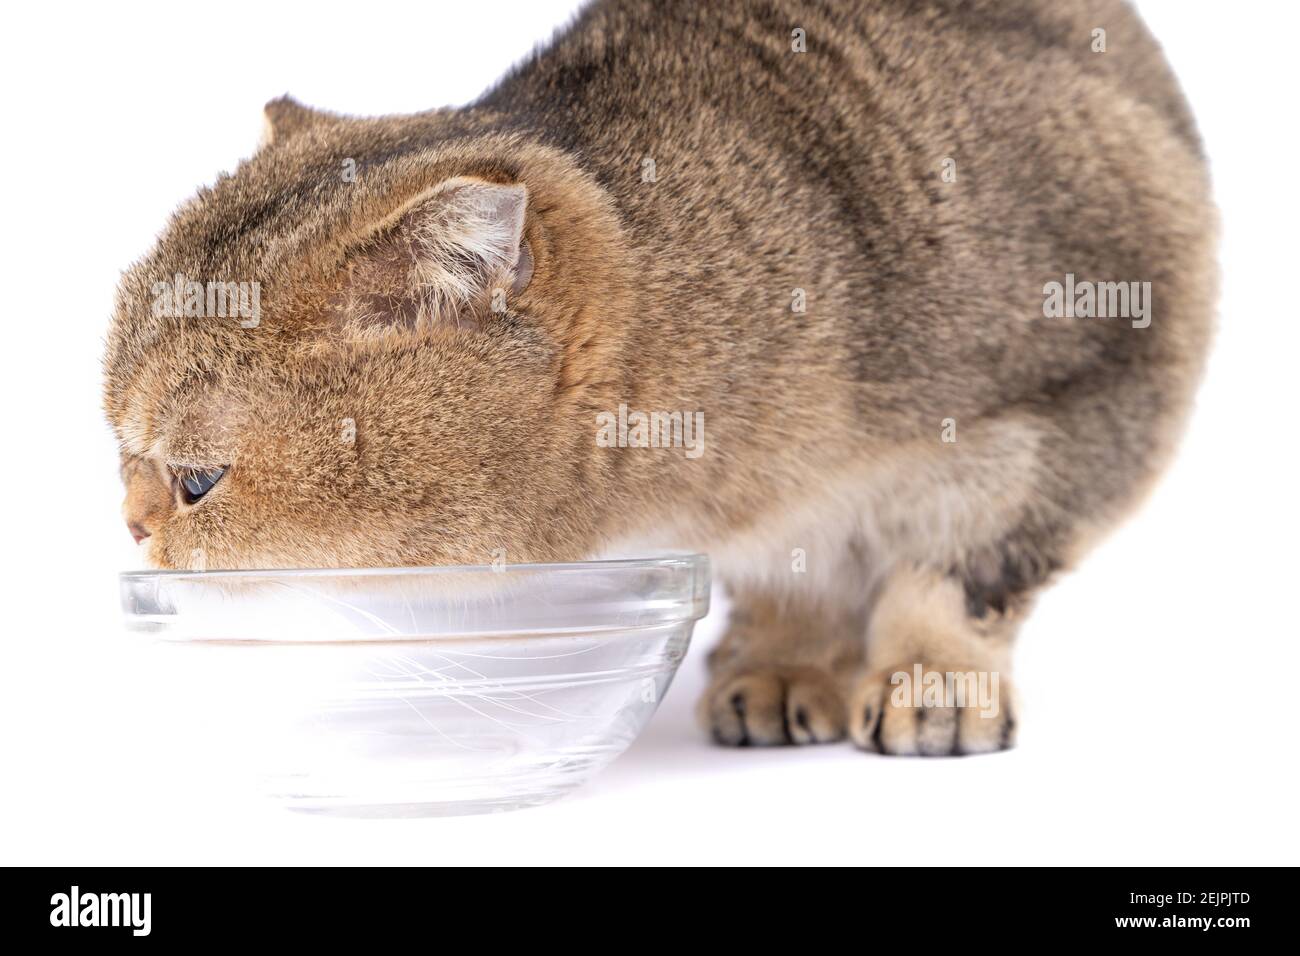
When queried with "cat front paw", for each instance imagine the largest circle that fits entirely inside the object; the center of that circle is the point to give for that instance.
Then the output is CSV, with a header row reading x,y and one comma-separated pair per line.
x,y
930,710
773,705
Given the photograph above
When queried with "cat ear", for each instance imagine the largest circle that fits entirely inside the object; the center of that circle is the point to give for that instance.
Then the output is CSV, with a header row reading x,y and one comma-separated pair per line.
x,y
448,257
286,117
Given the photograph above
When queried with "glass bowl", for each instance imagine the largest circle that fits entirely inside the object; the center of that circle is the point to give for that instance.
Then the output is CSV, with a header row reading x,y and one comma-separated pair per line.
x,y
422,691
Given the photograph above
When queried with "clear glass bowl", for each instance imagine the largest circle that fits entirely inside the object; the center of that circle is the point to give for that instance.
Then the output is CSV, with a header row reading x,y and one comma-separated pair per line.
x,y
423,691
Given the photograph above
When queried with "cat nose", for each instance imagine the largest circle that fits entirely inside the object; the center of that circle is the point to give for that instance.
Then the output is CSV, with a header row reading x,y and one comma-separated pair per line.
x,y
137,532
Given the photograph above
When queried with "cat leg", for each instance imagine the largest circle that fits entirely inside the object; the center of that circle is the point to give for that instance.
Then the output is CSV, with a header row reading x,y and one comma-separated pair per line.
x,y
776,676
936,679
1018,499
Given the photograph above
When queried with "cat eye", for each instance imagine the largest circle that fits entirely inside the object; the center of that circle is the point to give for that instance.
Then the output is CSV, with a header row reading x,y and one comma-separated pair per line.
x,y
194,483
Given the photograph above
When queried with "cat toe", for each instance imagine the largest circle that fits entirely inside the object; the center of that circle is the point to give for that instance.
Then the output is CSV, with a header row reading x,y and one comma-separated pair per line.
x,y
774,707
930,711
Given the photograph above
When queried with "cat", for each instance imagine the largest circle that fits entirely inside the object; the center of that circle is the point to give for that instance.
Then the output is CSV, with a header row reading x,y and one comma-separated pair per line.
x,y
833,235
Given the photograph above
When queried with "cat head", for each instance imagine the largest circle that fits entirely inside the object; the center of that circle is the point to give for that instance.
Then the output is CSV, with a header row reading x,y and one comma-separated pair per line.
x,y
377,342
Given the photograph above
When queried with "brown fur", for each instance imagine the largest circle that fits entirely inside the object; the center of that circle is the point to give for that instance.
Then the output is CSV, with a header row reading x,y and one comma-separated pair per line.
x,y
857,542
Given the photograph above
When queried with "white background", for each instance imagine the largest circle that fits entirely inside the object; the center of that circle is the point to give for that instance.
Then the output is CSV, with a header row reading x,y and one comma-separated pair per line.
x,y
1160,711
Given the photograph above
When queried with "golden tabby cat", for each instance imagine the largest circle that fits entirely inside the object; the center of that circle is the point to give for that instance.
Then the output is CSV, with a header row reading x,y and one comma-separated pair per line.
x,y
932,281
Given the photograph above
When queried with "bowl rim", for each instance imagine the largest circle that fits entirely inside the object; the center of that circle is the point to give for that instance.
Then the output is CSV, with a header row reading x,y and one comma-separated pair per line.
x,y
576,596
687,558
